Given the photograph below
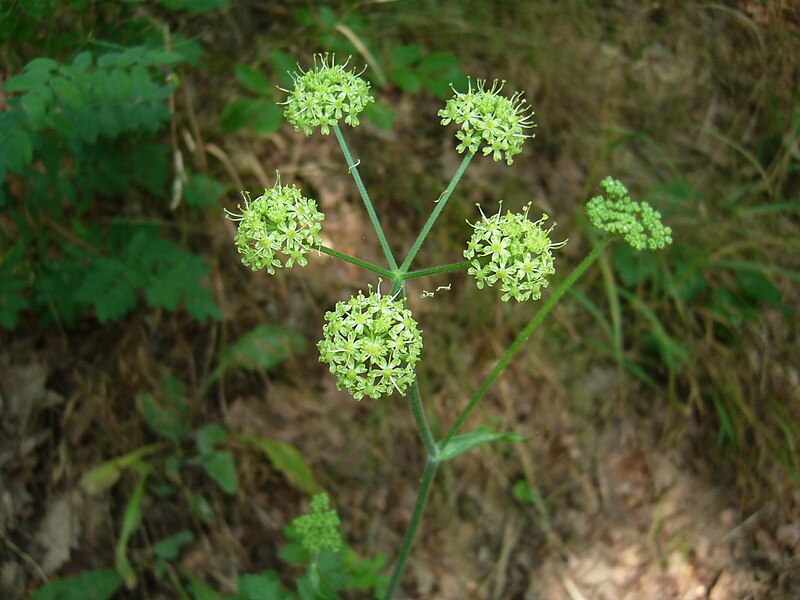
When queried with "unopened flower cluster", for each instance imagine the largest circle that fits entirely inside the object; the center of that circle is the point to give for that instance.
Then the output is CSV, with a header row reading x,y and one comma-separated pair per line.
x,y
325,94
637,222
490,120
371,344
320,528
512,251
279,224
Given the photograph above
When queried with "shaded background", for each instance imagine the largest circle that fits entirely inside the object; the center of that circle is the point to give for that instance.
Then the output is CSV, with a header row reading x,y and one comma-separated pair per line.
x,y
661,398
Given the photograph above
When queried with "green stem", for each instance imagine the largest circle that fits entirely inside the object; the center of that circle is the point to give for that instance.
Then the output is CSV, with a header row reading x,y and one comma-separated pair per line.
x,y
422,423
365,196
419,507
524,335
356,261
436,270
440,204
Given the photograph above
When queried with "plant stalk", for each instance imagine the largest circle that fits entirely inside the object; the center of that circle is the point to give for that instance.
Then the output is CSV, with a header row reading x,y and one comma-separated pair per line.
x,y
352,167
356,261
440,204
524,335
413,525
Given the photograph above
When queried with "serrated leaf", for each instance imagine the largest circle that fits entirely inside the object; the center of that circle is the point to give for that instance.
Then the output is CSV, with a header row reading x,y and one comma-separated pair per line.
x,y
460,444
101,584
219,465
264,347
169,548
288,460
210,435
109,289
253,79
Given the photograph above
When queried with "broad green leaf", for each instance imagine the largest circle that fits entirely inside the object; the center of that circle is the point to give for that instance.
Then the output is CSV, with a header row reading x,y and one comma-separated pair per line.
x,y
27,80
16,147
381,114
284,66
130,521
102,584
288,460
168,418
238,114
209,436
460,444
196,6
105,475
201,591
261,586
407,55
758,288
170,547
406,79
202,190
69,93
253,79
267,118
264,347
219,465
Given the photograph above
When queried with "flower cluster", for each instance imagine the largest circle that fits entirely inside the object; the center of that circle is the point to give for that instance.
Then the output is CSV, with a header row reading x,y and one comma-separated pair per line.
x,y
514,251
637,222
319,529
281,221
324,94
489,119
371,344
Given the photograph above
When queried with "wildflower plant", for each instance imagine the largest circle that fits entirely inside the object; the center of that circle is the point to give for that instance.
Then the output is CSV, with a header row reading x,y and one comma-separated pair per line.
x,y
372,343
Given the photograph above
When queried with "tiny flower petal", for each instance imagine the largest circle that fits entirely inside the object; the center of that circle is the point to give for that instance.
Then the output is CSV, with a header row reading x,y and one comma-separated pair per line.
x,y
279,223
371,343
512,251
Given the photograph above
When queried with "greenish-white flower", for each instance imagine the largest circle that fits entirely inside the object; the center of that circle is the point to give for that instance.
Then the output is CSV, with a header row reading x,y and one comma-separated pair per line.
x,y
325,94
489,120
513,252
371,344
277,229
320,528
637,222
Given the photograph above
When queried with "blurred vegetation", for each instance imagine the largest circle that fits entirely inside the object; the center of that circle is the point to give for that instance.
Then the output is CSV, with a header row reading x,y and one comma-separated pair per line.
x,y
126,126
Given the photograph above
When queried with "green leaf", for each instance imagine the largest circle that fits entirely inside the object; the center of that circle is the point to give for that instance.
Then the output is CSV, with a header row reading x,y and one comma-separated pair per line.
x,y
261,586
209,436
16,147
196,6
758,288
381,114
27,80
169,548
105,475
253,79
201,591
101,584
288,460
219,465
130,521
262,348
267,117
284,65
109,288
407,55
69,93
460,444
406,79
202,191
168,418
238,114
